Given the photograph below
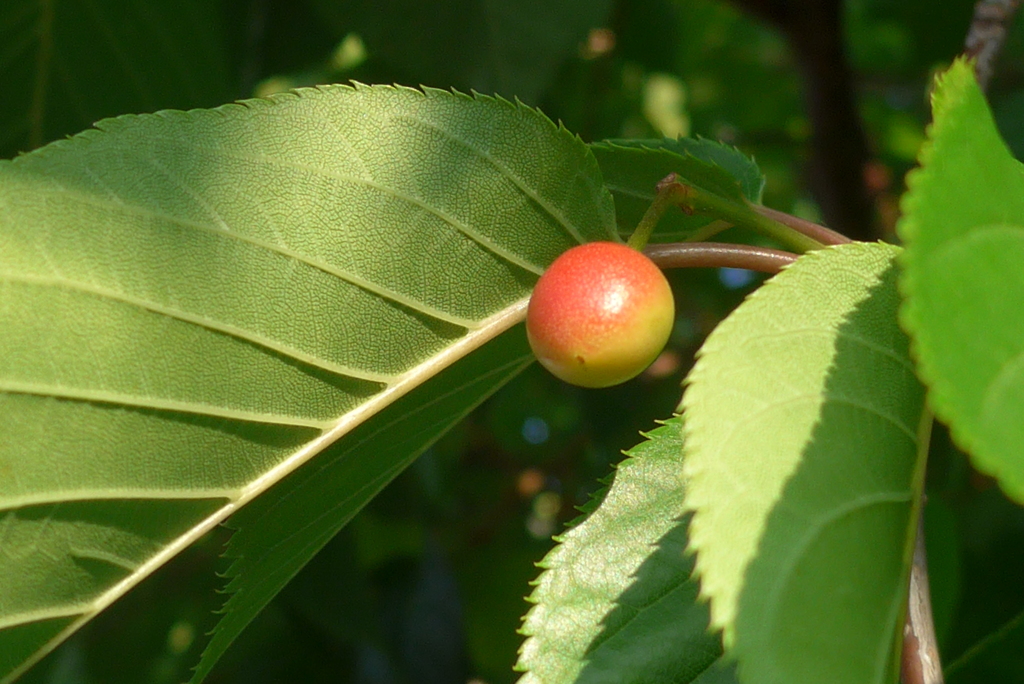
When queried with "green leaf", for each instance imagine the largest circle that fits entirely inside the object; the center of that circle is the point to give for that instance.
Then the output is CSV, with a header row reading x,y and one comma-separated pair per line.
x,y
633,168
192,305
276,535
616,602
802,421
964,229
65,65
738,168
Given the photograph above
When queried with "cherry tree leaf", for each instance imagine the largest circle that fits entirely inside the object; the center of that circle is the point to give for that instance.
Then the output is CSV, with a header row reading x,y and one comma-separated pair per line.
x,y
804,423
632,169
194,304
963,225
616,601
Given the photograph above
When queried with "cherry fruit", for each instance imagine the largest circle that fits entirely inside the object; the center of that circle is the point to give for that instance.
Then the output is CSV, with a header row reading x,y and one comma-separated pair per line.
x,y
600,314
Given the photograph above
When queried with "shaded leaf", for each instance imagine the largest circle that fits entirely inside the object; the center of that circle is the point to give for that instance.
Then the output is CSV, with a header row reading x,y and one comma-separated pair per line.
x,y
739,168
616,602
964,229
192,305
633,168
802,418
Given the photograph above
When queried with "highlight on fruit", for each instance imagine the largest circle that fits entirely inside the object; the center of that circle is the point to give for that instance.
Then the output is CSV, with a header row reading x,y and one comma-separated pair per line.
x,y
600,314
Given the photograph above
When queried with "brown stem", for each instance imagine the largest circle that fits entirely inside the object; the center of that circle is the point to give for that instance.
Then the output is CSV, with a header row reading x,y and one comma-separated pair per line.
x,y
719,255
812,230
920,659
992,19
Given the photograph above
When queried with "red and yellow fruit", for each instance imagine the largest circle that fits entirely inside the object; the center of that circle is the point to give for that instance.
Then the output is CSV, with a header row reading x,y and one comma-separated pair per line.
x,y
600,314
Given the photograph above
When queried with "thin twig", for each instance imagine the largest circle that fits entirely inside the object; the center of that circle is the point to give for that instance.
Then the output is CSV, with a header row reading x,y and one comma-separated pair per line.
x,y
920,661
719,255
992,19
822,234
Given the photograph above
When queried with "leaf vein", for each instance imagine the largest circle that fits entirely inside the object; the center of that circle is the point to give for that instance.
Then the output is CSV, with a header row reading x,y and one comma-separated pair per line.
x,y
14,620
505,171
629,192
458,225
11,503
202,321
177,180
108,558
818,526
892,420
158,404
638,611
358,281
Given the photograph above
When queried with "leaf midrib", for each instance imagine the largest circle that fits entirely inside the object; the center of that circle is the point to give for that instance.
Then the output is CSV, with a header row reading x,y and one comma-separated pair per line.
x,y
489,329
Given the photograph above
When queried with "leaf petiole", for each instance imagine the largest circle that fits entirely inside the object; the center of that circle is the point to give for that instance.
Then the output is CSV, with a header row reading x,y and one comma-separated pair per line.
x,y
662,201
673,191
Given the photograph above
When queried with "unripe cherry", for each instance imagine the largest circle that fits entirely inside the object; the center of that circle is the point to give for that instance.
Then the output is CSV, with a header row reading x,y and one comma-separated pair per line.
x,y
600,314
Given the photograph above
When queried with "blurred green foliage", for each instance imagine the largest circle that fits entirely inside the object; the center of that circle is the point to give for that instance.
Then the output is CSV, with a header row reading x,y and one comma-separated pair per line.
x,y
427,585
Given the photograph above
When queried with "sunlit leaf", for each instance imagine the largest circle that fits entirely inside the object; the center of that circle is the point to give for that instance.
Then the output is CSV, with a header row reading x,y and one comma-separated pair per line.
x,y
192,305
964,229
802,420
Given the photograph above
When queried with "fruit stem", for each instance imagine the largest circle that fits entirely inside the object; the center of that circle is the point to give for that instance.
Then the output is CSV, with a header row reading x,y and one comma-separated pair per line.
x,y
662,201
719,255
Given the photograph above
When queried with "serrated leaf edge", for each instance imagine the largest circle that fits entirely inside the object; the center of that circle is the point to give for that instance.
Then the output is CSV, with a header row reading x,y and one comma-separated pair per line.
x,y
669,153
551,559
616,143
112,124
693,442
486,330
937,396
